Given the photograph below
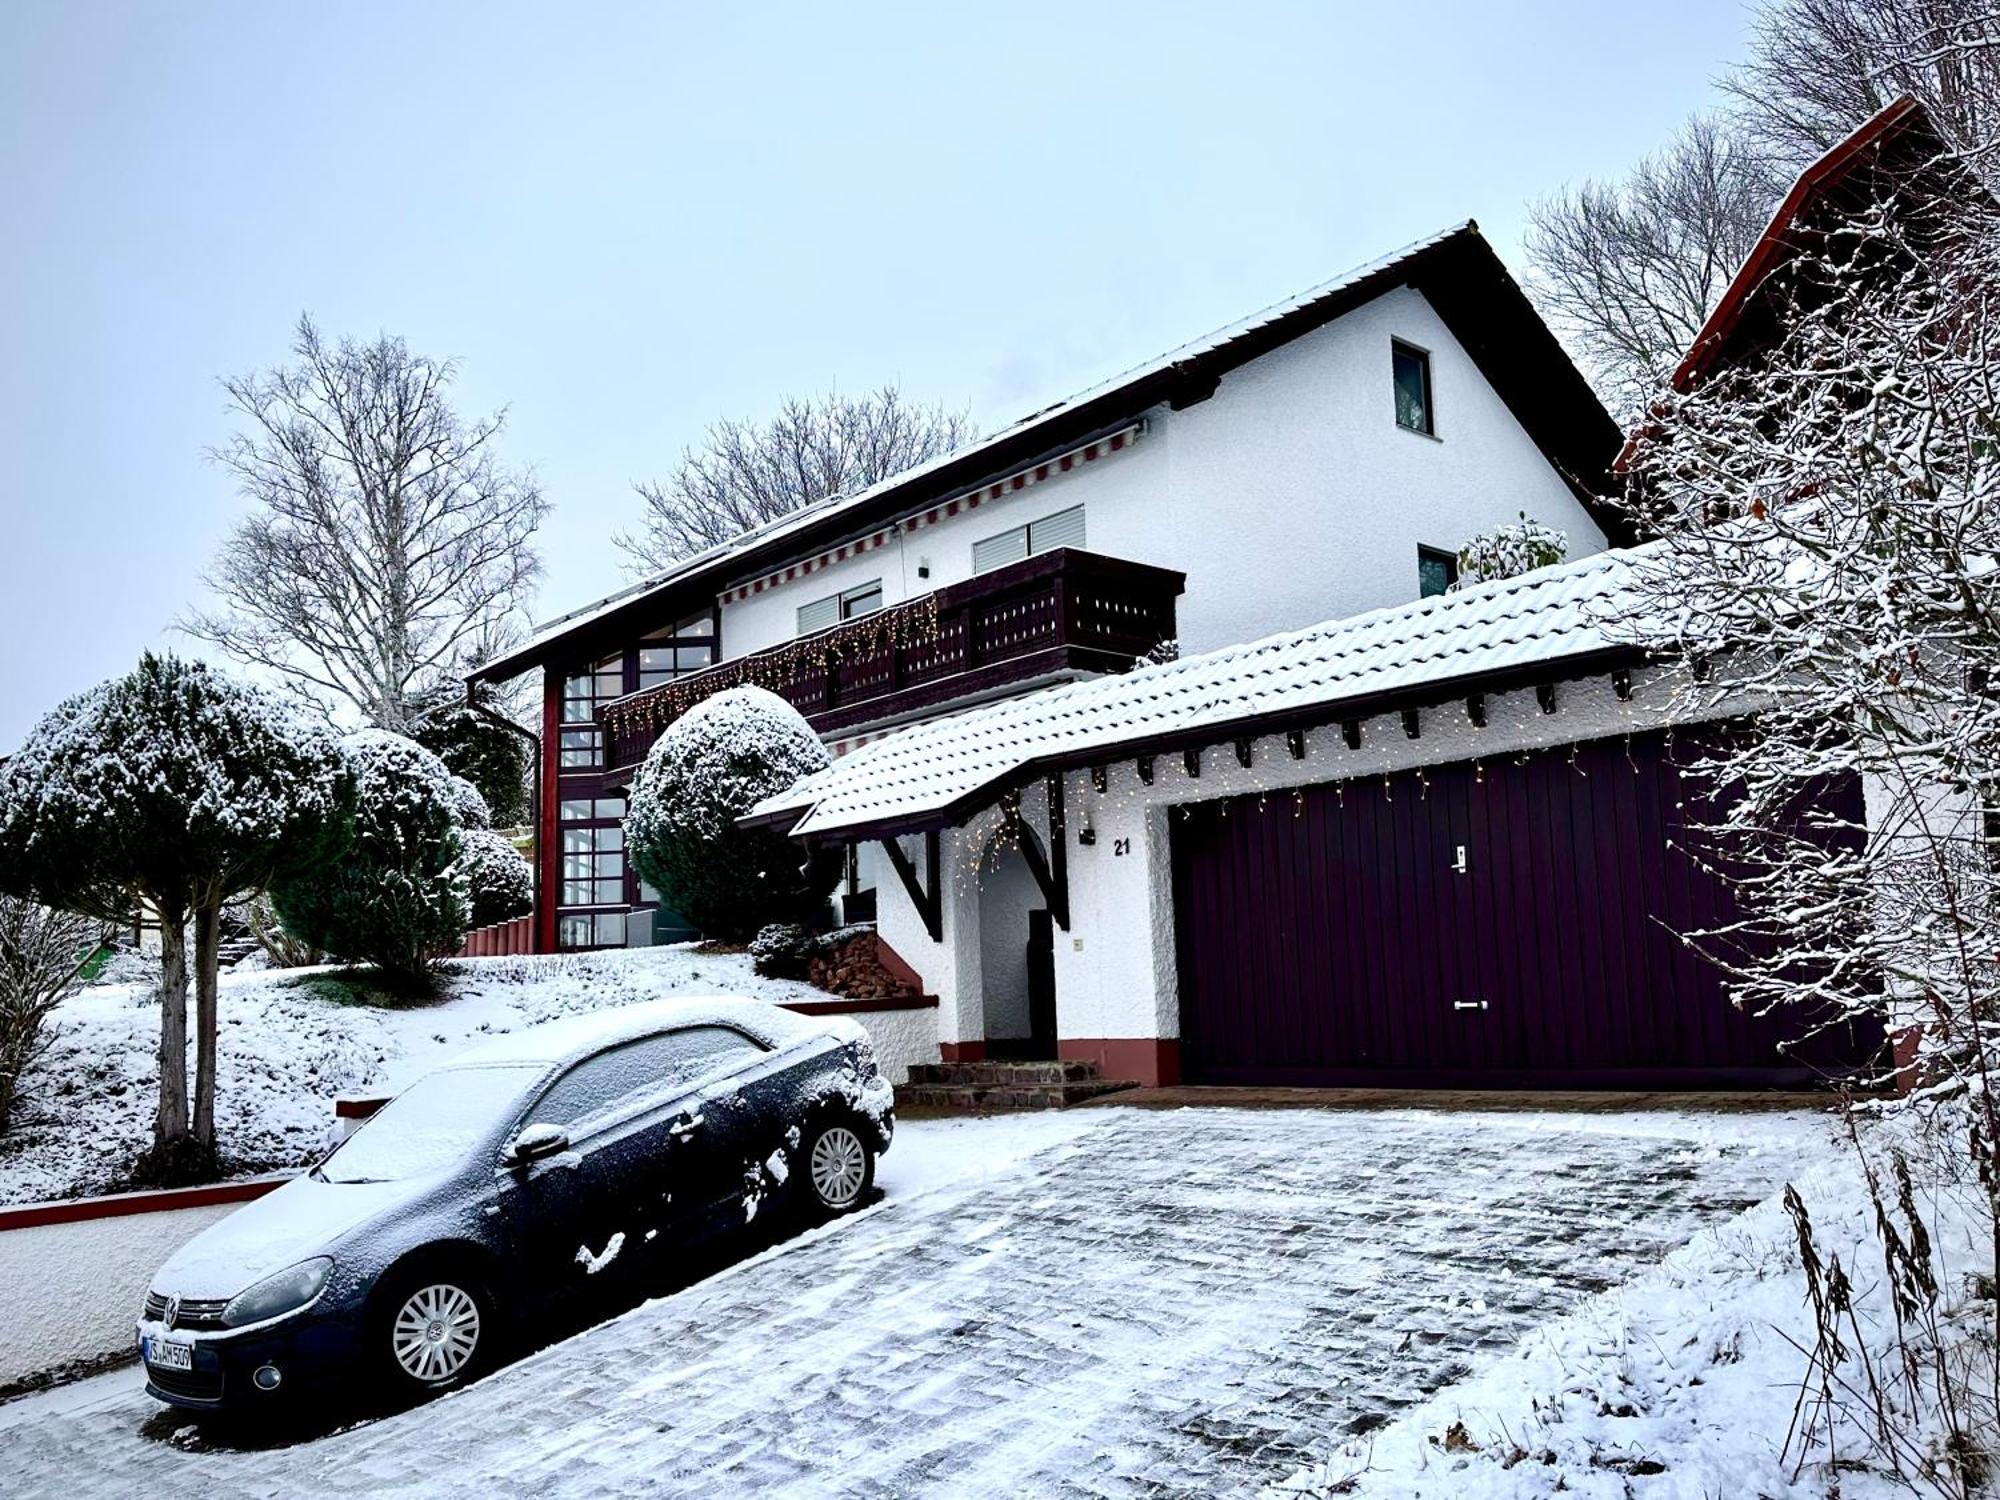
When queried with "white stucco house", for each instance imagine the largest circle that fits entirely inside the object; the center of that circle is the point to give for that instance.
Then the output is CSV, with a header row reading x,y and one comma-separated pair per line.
x,y
1323,457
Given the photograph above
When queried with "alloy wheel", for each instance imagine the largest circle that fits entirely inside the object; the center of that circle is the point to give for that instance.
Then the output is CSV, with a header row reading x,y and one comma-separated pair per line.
x,y
839,1163
436,1333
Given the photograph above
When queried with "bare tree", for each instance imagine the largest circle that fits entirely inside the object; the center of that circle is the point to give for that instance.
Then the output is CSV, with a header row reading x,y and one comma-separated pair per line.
x,y
1828,516
1628,270
746,473
42,956
387,542
1818,68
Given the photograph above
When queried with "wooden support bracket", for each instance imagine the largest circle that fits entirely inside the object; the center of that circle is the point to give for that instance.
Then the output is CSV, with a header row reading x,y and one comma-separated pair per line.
x,y
927,894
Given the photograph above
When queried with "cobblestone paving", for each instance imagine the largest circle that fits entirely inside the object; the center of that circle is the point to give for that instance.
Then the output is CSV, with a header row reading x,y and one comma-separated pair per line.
x,y
1184,1303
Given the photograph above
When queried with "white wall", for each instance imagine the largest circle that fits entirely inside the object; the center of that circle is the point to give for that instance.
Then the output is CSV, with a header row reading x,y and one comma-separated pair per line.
x,y
72,1292
1289,497
1115,967
901,1037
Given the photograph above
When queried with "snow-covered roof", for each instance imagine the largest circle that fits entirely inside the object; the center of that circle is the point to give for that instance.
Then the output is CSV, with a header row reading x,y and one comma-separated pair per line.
x,y
943,766
558,1041
1107,402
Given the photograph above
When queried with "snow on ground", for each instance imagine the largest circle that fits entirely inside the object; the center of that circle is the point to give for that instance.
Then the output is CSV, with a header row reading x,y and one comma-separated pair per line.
x,y
1682,1383
292,1040
1110,1302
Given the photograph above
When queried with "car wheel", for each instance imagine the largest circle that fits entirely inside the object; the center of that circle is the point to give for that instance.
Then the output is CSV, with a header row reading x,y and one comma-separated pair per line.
x,y
435,1329
839,1168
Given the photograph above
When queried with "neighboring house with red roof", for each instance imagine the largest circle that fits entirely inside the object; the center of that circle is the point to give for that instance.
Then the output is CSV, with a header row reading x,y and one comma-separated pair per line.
x,y
1325,456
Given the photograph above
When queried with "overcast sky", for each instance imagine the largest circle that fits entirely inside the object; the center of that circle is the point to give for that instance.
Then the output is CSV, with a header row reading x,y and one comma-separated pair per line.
x,y
628,220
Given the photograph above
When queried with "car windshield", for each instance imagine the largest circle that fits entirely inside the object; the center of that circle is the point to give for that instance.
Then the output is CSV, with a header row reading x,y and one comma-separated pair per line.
x,y
429,1127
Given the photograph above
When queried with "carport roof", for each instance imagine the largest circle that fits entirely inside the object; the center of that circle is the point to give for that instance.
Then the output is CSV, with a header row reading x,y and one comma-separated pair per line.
x,y
1550,622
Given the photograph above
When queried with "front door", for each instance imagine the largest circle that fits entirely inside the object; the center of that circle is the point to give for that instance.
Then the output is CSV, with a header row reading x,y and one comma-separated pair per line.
x,y
1041,984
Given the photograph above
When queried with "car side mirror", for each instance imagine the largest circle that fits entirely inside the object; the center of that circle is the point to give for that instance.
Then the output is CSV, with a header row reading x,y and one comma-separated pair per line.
x,y
536,1143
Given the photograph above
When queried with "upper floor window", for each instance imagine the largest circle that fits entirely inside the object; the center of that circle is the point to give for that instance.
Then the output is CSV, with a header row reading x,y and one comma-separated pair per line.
x,y
582,742
864,599
1415,410
1063,529
675,652
1437,571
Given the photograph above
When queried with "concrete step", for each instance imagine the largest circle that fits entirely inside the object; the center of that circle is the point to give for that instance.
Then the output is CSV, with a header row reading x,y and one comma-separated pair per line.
x,y
976,1097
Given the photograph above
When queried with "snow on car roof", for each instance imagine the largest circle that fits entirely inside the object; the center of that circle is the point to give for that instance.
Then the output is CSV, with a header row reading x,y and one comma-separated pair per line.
x,y
558,1041
1539,617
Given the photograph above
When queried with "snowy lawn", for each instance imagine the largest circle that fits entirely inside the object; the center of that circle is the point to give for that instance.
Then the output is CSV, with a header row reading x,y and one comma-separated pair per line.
x,y
293,1040
1106,1302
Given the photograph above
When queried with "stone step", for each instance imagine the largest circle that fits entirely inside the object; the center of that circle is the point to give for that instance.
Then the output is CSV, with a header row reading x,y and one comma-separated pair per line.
x,y
1005,1074
1003,1096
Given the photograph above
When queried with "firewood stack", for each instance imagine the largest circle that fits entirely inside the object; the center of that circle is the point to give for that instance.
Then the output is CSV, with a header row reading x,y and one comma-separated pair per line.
x,y
852,969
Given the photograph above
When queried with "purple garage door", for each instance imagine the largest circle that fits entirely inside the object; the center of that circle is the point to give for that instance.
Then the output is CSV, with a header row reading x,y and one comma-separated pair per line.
x,y
1331,938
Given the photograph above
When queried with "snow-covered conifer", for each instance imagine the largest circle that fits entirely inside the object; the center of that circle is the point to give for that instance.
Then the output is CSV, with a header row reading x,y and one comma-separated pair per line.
x,y
712,765
396,899
181,788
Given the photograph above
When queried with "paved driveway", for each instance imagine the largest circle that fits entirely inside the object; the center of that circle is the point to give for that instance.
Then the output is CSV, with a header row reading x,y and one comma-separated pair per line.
x,y
1114,1302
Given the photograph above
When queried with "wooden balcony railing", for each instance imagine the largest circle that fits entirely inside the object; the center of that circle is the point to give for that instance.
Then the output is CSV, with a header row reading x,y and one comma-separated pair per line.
x,y
1065,610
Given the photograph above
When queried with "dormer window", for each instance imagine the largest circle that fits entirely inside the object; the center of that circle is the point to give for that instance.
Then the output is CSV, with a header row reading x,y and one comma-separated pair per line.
x,y
1411,370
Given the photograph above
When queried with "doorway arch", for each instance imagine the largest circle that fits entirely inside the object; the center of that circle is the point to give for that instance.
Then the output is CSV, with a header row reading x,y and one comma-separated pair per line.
x,y
1016,952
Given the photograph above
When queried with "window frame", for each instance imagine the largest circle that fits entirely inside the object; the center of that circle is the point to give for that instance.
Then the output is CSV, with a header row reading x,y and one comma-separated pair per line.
x,y
1404,347
840,602
1449,561
1026,531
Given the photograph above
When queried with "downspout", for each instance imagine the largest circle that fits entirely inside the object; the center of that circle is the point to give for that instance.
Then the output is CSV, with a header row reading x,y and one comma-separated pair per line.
x,y
535,783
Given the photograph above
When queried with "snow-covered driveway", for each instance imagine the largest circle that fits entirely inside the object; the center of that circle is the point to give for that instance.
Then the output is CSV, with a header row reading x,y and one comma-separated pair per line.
x,y
1110,1302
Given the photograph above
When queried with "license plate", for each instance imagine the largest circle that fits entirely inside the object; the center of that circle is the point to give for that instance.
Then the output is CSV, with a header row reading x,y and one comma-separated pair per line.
x,y
169,1354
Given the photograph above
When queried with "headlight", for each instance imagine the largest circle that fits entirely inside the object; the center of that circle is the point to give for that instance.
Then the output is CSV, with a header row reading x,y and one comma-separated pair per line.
x,y
274,1296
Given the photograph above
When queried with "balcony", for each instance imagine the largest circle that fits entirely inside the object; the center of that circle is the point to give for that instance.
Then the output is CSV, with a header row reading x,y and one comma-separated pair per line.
x,y
1057,614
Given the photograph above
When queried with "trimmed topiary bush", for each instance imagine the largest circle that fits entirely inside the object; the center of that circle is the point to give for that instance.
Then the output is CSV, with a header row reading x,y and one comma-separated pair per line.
x,y
499,884
397,900
713,764
179,787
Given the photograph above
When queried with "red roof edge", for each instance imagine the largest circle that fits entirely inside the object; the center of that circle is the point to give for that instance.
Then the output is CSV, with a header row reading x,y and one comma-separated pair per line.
x,y
1771,247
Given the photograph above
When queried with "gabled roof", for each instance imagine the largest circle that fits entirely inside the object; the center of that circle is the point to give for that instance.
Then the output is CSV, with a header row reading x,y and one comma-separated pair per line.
x,y
1545,623
1897,142
1456,271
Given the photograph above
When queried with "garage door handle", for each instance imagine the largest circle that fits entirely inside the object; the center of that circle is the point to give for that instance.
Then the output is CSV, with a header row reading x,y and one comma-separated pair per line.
x,y
1468,1005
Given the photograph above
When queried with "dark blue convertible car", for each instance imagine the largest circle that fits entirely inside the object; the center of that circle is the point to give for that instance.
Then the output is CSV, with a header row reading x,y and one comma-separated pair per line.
x,y
516,1178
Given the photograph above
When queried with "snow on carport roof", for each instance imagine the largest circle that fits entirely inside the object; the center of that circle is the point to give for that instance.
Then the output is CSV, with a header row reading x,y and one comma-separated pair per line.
x,y
930,771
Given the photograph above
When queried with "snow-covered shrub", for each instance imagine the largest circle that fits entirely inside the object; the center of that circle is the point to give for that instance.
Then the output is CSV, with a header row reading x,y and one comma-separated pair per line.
x,y
499,883
474,747
1509,551
712,765
783,950
396,899
468,807
42,955
179,787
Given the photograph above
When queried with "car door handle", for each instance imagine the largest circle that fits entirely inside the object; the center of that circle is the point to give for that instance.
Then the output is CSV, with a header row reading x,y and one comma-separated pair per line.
x,y
1468,1005
684,1127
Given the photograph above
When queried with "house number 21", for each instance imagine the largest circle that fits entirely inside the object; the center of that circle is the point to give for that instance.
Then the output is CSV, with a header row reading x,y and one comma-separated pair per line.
x,y
1120,847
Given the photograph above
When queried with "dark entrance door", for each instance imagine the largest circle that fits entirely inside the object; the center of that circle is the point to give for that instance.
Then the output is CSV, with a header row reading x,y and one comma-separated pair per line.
x,y
1041,984
1497,924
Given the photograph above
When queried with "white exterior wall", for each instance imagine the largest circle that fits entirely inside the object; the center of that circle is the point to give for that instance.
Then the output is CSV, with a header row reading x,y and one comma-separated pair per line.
x,y
1289,497
1115,967
71,1292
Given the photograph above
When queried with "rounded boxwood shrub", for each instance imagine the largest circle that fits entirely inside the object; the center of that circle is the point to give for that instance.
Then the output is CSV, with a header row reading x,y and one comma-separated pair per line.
x,y
499,883
713,764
